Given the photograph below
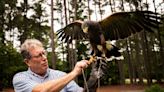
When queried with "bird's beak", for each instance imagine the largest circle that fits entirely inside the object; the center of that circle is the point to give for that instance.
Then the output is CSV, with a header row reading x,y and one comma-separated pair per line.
x,y
85,30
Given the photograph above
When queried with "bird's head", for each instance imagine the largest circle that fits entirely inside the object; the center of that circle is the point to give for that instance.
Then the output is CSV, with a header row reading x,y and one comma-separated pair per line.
x,y
85,27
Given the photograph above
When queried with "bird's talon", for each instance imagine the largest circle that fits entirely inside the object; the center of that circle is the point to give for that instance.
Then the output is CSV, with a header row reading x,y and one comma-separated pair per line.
x,y
92,58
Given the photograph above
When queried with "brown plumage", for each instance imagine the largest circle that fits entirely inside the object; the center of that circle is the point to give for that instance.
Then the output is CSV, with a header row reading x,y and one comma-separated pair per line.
x,y
116,26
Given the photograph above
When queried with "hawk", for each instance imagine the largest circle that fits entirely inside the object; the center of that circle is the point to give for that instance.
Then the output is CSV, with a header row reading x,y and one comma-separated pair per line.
x,y
114,27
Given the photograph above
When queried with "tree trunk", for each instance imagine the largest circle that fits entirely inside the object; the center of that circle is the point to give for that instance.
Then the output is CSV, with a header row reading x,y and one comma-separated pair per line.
x,y
99,5
129,62
120,63
89,10
138,59
121,71
111,6
146,58
53,55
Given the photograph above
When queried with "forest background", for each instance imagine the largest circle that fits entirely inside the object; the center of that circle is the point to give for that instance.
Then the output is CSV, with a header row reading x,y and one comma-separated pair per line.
x,y
40,19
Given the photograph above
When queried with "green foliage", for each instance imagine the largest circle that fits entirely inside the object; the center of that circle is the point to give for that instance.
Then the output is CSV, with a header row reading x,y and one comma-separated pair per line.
x,y
81,51
60,65
112,76
80,7
11,62
154,88
15,22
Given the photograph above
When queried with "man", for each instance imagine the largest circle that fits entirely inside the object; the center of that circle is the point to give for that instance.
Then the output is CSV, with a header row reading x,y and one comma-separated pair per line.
x,y
39,77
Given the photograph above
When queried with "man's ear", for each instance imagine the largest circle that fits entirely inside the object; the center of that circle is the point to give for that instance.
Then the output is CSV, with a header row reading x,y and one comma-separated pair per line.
x,y
27,62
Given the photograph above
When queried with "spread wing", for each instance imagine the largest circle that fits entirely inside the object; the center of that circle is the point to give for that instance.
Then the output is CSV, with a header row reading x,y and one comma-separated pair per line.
x,y
71,32
123,24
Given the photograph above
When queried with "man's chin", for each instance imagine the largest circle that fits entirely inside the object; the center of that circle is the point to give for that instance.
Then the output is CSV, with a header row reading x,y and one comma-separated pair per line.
x,y
44,70
45,67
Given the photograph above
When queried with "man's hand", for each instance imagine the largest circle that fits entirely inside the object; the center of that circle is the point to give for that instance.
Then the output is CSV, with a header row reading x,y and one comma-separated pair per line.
x,y
79,66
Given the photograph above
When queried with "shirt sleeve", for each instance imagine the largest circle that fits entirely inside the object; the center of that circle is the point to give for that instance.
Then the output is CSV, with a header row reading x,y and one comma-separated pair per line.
x,y
22,83
71,86
74,87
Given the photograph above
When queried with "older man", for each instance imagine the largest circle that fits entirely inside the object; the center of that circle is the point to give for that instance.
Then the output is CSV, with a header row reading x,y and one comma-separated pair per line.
x,y
39,77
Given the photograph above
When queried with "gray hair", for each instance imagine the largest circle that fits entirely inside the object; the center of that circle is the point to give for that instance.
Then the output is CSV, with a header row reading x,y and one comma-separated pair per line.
x,y
29,43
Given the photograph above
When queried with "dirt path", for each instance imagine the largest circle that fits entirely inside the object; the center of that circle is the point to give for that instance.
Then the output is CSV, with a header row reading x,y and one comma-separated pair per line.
x,y
122,88
111,88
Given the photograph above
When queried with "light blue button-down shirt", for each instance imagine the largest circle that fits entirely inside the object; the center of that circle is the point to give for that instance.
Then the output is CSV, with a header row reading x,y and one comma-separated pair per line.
x,y
25,81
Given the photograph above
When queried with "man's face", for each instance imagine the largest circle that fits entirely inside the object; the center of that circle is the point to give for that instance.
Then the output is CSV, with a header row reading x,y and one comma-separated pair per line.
x,y
38,62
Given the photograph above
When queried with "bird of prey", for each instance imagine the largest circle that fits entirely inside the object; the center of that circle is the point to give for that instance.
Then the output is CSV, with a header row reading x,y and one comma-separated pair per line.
x,y
114,27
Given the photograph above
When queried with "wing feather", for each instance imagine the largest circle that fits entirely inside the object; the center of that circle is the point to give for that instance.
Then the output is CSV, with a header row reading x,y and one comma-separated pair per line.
x,y
123,24
71,31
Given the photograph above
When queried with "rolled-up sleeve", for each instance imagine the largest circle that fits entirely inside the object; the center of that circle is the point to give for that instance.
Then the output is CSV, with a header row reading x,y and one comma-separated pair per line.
x,y
73,87
22,83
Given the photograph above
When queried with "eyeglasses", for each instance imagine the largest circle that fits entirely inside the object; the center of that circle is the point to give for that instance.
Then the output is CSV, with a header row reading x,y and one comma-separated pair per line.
x,y
40,54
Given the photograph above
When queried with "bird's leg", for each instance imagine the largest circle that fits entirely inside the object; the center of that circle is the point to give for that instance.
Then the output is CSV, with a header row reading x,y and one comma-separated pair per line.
x,y
103,44
104,50
92,58
102,39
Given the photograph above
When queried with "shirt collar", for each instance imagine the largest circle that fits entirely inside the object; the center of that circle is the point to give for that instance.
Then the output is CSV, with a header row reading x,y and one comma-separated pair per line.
x,y
34,74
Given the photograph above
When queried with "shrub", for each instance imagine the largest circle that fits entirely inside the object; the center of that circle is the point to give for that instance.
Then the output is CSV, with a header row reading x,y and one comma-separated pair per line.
x,y
154,88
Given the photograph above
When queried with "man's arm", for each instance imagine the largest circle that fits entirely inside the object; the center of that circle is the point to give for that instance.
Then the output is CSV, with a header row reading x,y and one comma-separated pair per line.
x,y
58,84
